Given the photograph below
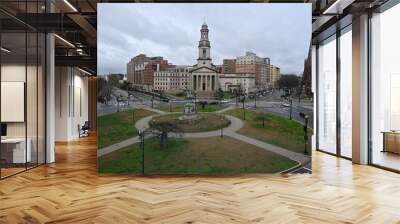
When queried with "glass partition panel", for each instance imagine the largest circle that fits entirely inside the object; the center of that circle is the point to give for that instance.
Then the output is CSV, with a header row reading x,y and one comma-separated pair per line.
x,y
346,93
327,95
41,98
385,89
14,153
31,98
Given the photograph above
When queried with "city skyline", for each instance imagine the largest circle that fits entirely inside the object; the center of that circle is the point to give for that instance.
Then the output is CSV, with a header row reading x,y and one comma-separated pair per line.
x,y
175,37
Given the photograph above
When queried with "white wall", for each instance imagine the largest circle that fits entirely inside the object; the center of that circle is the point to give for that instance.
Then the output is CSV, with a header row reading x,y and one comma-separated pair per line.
x,y
71,102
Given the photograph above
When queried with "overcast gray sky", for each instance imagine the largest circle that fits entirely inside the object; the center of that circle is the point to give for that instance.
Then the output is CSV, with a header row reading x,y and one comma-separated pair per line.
x,y
281,32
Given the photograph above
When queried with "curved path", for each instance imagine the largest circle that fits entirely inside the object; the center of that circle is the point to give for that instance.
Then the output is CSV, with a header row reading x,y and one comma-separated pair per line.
x,y
234,126
231,131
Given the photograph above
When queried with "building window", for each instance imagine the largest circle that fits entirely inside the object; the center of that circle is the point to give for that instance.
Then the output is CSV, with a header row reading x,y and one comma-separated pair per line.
x,y
346,94
385,88
327,95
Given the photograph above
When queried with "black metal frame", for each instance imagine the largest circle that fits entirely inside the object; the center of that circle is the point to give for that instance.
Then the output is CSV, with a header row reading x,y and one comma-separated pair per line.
x,y
339,32
30,29
387,5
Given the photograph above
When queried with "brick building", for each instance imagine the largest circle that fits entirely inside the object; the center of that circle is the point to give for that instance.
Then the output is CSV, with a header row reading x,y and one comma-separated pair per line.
x,y
140,70
229,66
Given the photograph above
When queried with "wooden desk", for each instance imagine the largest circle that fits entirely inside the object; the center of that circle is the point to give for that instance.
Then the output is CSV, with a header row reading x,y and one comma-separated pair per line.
x,y
13,150
391,141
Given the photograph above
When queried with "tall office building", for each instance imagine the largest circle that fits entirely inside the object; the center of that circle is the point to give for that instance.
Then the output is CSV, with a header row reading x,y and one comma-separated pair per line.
x,y
251,63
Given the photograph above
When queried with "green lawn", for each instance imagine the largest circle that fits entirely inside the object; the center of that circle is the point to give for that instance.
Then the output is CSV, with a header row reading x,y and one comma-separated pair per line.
x,y
278,130
180,107
119,126
207,122
194,156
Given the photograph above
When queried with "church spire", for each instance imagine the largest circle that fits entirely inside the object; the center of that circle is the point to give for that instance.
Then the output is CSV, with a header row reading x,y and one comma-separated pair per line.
x,y
204,47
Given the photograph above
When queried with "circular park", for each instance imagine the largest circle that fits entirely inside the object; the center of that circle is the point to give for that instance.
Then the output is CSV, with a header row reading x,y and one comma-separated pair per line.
x,y
229,140
202,122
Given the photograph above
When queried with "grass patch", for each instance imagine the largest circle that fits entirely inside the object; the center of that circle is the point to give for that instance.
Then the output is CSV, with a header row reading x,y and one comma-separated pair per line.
x,y
194,156
180,107
119,126
278,130
207,122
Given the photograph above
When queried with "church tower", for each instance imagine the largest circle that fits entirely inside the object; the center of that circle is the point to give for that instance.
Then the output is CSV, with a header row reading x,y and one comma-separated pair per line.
x,y
204,48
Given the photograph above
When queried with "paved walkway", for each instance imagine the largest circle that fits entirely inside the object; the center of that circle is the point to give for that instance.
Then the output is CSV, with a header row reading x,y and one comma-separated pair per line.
x,y
225,109
120,145
298,157
154,110
143,124
231,131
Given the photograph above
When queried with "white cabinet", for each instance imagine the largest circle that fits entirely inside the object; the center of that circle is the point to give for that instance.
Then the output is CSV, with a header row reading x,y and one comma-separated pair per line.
x,y
19,155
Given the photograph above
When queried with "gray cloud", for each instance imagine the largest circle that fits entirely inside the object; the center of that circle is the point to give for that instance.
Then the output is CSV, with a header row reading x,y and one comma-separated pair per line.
x,y
281,32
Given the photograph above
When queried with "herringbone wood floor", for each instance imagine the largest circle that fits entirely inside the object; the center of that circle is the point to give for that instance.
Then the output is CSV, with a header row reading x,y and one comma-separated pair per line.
x,y
70,191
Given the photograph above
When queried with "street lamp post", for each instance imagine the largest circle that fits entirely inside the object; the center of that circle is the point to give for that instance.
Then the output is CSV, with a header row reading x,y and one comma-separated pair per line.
x,y
118,99
141,137
222,127
244,111
152,100
236,97
303,115
291,108
255,100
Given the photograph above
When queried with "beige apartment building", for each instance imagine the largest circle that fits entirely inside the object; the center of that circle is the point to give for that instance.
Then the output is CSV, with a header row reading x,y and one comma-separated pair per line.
x,y
230,82
175,79
275,75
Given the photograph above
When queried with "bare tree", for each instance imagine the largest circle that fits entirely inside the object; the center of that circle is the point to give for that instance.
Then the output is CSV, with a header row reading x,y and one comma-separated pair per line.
x,y
163,129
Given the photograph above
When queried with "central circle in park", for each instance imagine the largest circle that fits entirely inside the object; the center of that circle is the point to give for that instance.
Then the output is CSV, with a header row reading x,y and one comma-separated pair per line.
x,y
202,122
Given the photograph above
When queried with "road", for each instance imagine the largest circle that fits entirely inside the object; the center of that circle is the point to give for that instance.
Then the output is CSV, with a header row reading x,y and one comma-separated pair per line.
x,y
272,102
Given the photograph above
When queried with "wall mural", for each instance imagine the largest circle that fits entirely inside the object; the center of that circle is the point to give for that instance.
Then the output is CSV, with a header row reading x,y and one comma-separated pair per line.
x,y
211,89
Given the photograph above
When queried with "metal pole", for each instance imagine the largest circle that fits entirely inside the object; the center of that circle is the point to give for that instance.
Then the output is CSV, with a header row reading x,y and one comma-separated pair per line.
x,y
133,116
236,99
255,100
244,111
222,128
142,136
152,100
305,135
291,103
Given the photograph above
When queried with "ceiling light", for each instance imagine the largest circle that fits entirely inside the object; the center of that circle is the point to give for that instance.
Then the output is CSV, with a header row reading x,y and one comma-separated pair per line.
x,y
64,40
337,7
70,5
5,50
84,71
